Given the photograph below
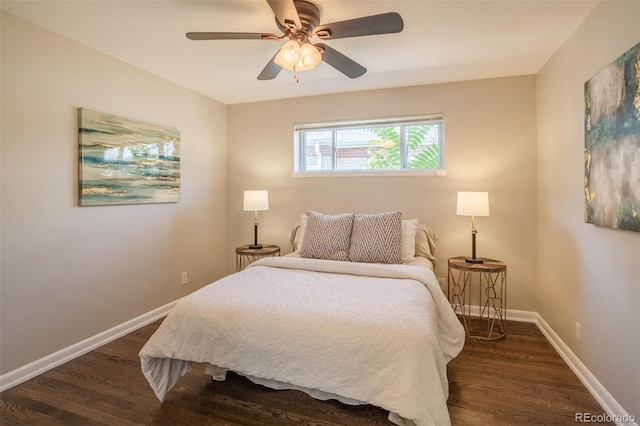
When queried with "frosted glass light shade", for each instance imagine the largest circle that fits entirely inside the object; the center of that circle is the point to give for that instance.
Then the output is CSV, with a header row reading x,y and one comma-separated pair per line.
x,y
309,57
289,55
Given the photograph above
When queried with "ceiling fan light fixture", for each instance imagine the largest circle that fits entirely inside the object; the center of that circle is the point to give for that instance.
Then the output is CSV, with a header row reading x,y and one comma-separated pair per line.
x,y
310,57
293,55
289,55
299,20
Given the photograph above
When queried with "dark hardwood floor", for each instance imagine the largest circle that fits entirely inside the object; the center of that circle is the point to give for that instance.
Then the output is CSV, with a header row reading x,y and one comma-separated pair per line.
x,y
513,381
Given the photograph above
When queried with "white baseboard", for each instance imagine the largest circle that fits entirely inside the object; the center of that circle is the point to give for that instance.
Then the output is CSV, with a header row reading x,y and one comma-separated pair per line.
x,y
607,401
616,412
31,370
612,408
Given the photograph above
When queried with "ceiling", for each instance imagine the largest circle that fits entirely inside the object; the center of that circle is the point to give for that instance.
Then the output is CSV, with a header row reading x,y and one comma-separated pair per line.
x,y
448,40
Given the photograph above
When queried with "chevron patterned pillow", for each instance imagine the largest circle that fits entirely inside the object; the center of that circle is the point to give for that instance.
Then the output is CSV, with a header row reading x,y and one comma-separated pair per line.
x,y
376,238
326,236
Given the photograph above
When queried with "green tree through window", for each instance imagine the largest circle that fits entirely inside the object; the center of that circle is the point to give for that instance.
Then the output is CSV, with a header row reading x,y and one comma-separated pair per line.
x,y
421,154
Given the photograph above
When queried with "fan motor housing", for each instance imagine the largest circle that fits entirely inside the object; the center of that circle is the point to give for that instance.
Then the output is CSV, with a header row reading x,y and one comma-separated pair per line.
x,y
309,14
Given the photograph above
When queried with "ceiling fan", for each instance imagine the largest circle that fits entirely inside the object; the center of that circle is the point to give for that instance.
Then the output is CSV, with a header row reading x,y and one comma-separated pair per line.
x,y
299,20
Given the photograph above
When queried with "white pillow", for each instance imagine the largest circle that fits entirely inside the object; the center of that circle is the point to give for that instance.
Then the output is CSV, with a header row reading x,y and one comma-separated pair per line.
x,y
426,242
408,238
300,233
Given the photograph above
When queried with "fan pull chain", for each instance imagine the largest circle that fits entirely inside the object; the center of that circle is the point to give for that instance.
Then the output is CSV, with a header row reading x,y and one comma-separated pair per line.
x,y
295,73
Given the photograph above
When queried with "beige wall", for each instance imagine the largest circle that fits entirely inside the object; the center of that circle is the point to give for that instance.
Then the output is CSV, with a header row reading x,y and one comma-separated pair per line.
x,y
490,145
586,274
69,272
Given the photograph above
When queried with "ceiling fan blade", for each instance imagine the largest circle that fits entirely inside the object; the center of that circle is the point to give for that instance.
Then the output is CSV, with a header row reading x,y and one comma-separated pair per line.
x,y
345,65
271,70
230,36
385,23
286,13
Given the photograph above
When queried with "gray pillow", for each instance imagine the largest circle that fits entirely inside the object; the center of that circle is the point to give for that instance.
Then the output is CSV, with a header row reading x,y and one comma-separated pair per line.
x,y
376,238
326,236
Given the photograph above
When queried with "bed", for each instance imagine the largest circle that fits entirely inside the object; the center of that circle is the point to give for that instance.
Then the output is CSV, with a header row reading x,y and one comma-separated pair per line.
x,y
377,333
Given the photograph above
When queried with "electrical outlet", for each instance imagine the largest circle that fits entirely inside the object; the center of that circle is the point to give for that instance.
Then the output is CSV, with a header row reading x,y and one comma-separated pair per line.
x,y
184,278
579,332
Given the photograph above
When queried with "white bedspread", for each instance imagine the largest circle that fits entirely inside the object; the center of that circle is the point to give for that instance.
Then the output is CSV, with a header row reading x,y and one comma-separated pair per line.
x,y
378,334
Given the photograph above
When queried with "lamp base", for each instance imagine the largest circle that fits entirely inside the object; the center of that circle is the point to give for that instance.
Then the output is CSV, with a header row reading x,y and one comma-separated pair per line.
x,y
474,260
255,246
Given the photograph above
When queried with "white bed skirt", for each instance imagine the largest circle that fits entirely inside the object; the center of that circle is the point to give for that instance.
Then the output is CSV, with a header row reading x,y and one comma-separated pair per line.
x,y
220,374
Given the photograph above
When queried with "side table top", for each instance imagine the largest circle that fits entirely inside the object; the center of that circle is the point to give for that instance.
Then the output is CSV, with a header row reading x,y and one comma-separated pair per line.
x,y
266,249
488,265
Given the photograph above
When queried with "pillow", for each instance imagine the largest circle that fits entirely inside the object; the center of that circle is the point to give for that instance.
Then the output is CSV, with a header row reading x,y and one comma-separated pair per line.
x,y
296,233
409,228
426,242
408,250
327,237
293,235
376,238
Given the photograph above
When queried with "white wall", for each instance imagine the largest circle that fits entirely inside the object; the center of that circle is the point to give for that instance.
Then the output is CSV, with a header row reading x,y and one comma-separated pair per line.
x,y
490,145
586,274
69,272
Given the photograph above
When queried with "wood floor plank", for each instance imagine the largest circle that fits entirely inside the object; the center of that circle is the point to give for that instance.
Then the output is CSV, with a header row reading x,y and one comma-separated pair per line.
x,y
519,379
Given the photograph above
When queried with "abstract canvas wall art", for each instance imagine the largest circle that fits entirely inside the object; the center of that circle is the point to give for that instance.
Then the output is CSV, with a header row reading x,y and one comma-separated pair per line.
x,y
612,144
125,161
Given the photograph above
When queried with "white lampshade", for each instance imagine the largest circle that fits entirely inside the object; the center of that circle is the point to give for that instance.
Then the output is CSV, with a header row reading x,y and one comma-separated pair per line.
x,y
473,204
256,200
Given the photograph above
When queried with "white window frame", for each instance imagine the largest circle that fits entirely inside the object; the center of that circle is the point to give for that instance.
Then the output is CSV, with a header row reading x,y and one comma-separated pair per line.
x,y
299,156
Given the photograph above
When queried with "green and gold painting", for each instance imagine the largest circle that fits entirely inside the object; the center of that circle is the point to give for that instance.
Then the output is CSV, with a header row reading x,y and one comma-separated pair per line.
x,y
612,144
125,161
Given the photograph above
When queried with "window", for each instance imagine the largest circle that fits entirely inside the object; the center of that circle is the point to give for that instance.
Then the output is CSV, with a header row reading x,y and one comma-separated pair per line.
x,y
384,145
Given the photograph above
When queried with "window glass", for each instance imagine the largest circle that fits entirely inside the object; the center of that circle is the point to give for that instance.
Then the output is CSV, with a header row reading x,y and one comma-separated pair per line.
x,y
391,144
318,150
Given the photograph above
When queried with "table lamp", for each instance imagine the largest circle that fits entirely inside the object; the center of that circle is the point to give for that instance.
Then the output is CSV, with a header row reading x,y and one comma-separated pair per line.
x,y
256,201
473,204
